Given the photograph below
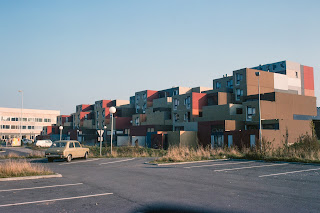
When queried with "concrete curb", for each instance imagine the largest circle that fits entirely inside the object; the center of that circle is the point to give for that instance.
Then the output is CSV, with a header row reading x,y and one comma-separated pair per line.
x,y
30,177
187,162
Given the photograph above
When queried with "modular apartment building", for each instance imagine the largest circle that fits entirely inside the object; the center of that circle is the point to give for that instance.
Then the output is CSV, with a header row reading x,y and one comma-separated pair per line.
x,y
32,123
226,114
287,97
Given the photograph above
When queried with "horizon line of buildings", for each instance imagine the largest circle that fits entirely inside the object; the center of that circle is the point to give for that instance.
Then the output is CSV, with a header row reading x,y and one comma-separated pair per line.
x,y
226,114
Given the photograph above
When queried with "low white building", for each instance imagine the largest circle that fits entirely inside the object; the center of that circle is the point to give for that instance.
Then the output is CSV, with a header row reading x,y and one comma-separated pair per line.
x,y
31,124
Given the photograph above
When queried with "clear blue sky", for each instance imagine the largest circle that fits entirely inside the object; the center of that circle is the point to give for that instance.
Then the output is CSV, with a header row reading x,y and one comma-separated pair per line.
x,y
64,53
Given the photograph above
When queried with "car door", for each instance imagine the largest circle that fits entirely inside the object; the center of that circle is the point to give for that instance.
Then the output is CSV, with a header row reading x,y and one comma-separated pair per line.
x,y
78,149
72,150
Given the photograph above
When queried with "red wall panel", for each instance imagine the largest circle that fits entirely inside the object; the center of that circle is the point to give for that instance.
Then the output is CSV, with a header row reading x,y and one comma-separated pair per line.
x,y
308,78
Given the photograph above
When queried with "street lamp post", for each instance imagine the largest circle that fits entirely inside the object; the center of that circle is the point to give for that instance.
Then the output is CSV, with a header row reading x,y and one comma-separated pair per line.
x,y
61,128
260,126
21,114
112,110
101,138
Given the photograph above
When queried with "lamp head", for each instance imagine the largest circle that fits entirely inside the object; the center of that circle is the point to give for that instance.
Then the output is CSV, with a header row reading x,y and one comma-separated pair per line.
x,y
112,110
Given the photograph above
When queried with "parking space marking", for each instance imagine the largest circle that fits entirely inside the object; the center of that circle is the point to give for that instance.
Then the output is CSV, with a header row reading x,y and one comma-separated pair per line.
x,y
40,187
284,173
249,167
220,164
79,162
58,199
189,162
117,161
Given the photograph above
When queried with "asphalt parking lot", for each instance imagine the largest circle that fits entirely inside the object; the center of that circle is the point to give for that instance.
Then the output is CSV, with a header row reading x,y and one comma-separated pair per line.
x,y
128,184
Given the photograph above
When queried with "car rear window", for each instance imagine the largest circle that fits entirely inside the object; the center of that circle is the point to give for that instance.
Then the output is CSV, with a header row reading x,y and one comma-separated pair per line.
x,y
77,144
59,144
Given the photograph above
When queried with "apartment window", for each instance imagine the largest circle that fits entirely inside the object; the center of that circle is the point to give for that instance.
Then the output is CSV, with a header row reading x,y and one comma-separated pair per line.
x,y
14,119
230,84
103,113
175,92
137,121
176,117
14,127
144,108
176,104
144,96
239,111
251,111
40,119
218,85
239,78
137,108
6,118
296,74
86,117
24,127
186,116
137,98
239,93
187,102
5,126
24,119
97,114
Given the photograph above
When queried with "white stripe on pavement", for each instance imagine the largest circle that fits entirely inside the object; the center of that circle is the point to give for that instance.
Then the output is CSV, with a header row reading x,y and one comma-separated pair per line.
x,y
249,167
84,161
284,173
117,161
58,199
188,162
40,187
221,164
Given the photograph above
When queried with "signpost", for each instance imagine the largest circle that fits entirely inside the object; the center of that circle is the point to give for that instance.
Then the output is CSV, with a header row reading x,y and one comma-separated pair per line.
x,y
100,138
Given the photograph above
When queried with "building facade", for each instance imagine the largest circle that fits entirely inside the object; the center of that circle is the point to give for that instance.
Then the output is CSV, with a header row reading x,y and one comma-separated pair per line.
x,y
225,115
32,122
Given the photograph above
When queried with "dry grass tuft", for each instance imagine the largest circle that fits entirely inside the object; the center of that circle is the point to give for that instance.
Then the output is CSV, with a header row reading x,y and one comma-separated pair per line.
x,y
20,168
306,149
120,152
13,155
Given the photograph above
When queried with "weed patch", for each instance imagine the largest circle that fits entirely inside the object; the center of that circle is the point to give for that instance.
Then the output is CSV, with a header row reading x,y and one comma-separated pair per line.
x,y
21,168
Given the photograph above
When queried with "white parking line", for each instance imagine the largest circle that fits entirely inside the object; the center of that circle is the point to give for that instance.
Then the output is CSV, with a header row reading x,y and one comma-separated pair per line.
x,y
117,161
84,161
43,201
40,187
188,162
249,167
284,173
220,164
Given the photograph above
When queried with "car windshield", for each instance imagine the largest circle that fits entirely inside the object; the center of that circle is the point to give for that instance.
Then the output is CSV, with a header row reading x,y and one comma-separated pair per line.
x,y
59,144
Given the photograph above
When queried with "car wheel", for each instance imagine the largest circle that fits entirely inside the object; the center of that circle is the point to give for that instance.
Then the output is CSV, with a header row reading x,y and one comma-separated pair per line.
x,y
50,160
69,158
86,156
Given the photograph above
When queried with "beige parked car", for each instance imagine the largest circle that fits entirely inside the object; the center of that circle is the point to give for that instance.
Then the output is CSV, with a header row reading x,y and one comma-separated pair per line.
x,y
66,150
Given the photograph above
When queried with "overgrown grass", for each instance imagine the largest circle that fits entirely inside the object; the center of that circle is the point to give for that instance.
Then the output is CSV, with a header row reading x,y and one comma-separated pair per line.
x,y
125,152
306,149
13,155
37,148
21,168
